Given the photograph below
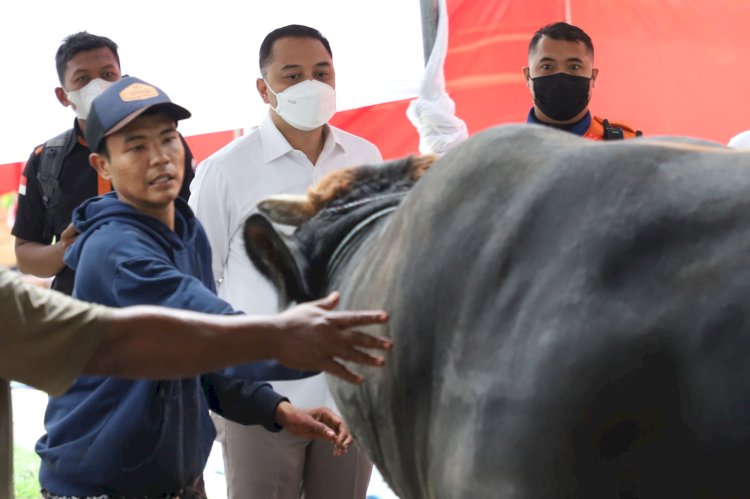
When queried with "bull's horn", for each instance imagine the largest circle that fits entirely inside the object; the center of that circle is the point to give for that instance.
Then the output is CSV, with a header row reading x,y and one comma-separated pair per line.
x,y
288,209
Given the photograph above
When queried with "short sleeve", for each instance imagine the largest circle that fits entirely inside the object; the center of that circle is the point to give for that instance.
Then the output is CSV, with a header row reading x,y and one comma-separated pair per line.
x,y
30,213
48,338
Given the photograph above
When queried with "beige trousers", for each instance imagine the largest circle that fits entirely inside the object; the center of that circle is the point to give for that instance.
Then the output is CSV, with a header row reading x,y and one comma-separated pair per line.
x,y
260,464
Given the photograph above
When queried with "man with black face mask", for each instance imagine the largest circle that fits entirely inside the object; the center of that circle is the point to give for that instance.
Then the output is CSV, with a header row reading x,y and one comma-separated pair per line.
x,y
561,76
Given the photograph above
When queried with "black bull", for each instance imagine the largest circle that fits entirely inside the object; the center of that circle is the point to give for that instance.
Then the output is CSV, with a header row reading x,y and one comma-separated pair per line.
x,y
570,319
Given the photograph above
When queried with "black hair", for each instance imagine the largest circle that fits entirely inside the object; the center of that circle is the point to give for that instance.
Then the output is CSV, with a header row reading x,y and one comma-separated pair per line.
x,y
294,31
81,42
562,31
103,149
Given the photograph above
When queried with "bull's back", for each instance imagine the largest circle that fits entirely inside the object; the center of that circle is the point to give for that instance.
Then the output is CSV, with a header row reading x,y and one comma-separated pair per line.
x,y
569,320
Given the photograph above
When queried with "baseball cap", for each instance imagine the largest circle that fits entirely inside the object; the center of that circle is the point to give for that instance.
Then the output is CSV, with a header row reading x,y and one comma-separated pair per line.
x,y
123,102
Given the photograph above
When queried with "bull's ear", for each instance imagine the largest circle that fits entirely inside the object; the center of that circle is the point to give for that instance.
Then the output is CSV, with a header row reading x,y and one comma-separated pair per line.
x,y
287,209
277,258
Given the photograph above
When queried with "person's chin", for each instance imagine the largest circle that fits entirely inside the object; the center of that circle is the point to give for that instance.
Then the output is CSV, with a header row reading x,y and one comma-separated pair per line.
x,y
171,186
163,194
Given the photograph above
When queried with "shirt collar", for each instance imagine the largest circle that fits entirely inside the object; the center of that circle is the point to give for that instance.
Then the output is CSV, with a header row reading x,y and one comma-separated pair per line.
x,y
578,128
79,134
276,146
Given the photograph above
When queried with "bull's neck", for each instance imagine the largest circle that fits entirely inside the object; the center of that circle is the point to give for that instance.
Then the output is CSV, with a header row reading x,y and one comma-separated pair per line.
x,y
353,239
334,244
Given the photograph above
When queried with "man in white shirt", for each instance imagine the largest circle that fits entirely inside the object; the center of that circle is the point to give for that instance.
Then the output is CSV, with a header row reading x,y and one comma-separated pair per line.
x,y
292,149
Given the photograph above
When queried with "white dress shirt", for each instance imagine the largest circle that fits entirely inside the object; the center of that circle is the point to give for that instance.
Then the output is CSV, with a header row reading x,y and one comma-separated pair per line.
x,y
225,191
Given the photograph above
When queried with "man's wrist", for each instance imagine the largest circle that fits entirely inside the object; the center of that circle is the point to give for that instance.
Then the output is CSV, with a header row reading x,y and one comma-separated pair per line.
x,y
274,337
61,246
282,413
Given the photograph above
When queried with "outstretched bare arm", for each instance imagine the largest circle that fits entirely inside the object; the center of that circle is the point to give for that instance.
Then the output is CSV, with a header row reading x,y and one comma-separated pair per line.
x,y
155,342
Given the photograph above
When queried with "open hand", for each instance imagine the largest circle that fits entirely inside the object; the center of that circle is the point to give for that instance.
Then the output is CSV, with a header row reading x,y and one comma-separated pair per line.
x,y
314,337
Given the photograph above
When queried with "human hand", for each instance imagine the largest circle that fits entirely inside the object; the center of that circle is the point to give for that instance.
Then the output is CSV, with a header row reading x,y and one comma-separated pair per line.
x,y
319,423
313,337
68,236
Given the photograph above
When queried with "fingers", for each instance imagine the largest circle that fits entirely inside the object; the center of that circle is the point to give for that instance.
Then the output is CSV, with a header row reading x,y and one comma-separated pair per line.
x,y
358,318
329,302
324,425
343,444
349,353
349,350
68,236
69,231
340,451
334,422
308,427
344,439
341,371
364,340
327,417
322,432
352,354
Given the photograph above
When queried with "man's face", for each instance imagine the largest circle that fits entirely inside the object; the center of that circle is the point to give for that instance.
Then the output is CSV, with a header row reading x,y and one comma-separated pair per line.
x,y
86,66
145,163
560,56
294,60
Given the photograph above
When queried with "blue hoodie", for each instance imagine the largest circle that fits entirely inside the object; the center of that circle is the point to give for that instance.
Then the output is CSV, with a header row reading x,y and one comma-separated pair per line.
x,y
141,437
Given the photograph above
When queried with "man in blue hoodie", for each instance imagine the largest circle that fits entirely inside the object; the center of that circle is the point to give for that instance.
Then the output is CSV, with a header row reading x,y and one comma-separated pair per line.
x,y
142,245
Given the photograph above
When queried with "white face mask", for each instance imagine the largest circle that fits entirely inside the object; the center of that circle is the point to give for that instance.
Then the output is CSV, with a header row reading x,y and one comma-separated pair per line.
x,y
83,97
307,105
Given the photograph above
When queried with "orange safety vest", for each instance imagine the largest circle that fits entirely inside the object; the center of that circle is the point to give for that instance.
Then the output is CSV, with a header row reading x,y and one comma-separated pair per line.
x,y
596,129
103,185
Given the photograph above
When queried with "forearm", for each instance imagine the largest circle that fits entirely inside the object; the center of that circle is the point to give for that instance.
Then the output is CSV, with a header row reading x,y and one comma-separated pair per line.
x,y
243,402
153,342
266,370
42,260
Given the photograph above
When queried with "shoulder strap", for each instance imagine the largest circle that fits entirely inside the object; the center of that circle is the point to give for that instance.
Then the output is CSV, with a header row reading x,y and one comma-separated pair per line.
x,y
51,162
612,132
616,131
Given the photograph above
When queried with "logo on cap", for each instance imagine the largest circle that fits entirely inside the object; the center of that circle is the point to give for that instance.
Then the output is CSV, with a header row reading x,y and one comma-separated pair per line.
x,y
138,91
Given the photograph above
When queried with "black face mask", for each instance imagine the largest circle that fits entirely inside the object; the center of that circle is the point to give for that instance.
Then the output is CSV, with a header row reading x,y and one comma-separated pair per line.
x,y
561,96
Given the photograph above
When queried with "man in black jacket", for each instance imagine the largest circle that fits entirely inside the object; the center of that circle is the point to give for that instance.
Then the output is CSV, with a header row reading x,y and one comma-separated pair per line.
x,y
57,176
